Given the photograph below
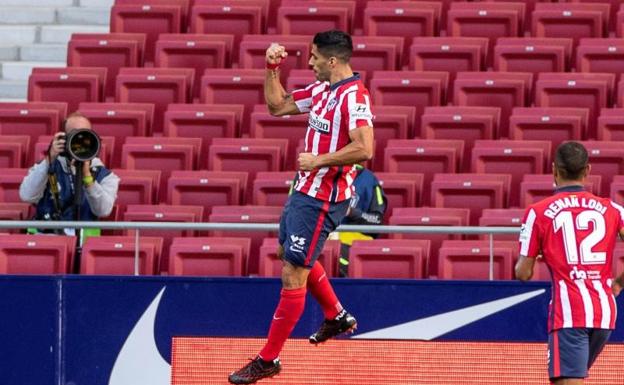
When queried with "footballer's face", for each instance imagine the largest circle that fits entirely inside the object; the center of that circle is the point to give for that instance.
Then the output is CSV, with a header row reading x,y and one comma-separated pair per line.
x,y
320,64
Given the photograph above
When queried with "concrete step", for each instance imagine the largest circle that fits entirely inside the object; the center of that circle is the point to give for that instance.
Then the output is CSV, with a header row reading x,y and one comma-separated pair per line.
x,y
20,70
18,34
84,15
9,53
60,34
27,15
96,3
36,3
44,53
13,89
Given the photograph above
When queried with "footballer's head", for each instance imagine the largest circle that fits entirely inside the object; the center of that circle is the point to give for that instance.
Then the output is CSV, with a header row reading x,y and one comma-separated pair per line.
x,y
571,162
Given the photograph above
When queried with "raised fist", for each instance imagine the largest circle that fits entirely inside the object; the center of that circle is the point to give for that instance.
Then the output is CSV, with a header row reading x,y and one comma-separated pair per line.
x,y
275,54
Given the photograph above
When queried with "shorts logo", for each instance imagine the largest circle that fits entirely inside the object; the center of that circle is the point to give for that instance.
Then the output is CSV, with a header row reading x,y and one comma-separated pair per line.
x,y
297,243
318,124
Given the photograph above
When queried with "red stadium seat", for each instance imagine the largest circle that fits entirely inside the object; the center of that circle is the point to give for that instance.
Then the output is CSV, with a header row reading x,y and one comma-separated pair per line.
x,y
377,53
471,259
15,212
580,90
114,255
384,258
611,124
606,160
137,187
294,18
493,89
618,259
570,20
617,189
252,51
530,54
600,55
473,191
409,88
14,150
614,5
427,156
290,127
502,217
401,190
429,216
160,86
112,51
537,187
272,188
36,254
234,86
271,266
556,124
71,85
60,107
461,123
209,256
247,214
207,188
10,181
392,122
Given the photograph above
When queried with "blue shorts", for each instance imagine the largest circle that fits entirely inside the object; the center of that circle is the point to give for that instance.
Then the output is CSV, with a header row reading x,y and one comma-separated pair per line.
x,y
304,226
572,351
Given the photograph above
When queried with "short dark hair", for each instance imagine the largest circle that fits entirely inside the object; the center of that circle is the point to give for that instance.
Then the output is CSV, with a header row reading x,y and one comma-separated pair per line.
x,y
571,160
334,43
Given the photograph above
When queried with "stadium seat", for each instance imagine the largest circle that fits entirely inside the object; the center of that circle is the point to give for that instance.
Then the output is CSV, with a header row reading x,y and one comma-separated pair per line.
x,y
10,180
159,86
252,51
207,188
613,10
209,256
295,18
59,107
429,216
620,22
112,51
473,191
570,20
301,79
393,122
247,214
513,157
115,255
606,160
493,89
504,218
471,260
71,85
530,54
618,259
384,258
460,123
271,266
377,53
611,124
617,189
14,150
272,188
36,254
15,212
137,187
556,124
537,187
409,88
427,156
163,213
234,86
579,90
289,127
600,55
401,190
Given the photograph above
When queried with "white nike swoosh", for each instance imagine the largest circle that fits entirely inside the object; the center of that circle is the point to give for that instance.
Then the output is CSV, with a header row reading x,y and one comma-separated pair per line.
x,y
139,361
440,324
277,318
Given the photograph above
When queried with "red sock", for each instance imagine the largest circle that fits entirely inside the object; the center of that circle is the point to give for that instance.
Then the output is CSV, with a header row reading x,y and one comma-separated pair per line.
x,y
322,290
288,312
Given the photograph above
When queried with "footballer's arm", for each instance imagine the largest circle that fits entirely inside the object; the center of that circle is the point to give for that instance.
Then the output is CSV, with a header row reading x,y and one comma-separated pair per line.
x,y
524,268
360,149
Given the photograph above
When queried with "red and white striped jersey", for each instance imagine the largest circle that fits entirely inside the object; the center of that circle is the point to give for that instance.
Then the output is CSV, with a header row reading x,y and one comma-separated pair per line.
x,y
333,112
575,232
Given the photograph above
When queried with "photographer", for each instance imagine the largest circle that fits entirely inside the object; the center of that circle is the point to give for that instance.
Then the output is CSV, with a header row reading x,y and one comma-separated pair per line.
x,y
50,184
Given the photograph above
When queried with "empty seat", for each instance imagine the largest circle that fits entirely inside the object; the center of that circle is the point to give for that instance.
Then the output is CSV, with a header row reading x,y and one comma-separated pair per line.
x,y
618,259
570,20
247,214
209,256
384,258
289,127
271,266
59,107
159,86
15,212
493,89
10,180
600,55
537,187
36,254
471,260
377,53
605,160
473,191
430,216
137,187
207,188
461,123
451,54
115,255
531,54
71,85
252,51
272,188
613,10
400,189
409,88
556,124
302,78
294,18
502,218
514,157
393,122
14,150
580,90
111,51
611,124
617,188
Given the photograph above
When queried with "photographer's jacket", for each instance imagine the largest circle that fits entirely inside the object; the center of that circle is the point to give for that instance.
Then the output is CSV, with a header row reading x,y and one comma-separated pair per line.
x,y
98,199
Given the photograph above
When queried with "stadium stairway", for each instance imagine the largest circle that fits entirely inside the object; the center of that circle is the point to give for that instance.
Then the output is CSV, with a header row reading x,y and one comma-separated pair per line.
x,y
34,33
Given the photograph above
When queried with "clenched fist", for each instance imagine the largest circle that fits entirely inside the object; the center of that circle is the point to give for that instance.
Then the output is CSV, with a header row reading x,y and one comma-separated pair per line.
x,y
275,54
307,161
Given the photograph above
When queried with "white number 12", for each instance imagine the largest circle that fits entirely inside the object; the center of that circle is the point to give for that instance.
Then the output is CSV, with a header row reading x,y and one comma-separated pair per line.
x,y
588,256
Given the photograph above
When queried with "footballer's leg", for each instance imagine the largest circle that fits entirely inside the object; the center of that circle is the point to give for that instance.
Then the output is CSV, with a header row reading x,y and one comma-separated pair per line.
x,y
568,352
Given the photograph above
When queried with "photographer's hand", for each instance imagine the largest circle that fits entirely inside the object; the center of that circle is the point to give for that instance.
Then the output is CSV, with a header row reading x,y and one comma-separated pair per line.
x,y
87,178
57,146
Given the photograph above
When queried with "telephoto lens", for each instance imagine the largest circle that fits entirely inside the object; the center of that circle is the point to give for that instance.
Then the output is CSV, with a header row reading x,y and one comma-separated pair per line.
x,y
82,144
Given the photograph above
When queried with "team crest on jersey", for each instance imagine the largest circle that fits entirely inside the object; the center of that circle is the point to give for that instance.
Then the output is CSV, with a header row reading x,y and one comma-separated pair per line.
x,y
318,124
331,104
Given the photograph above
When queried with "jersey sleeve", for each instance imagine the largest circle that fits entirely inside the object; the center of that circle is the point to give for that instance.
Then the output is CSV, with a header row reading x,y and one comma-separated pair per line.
x,y
303,97
359,109
529,235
